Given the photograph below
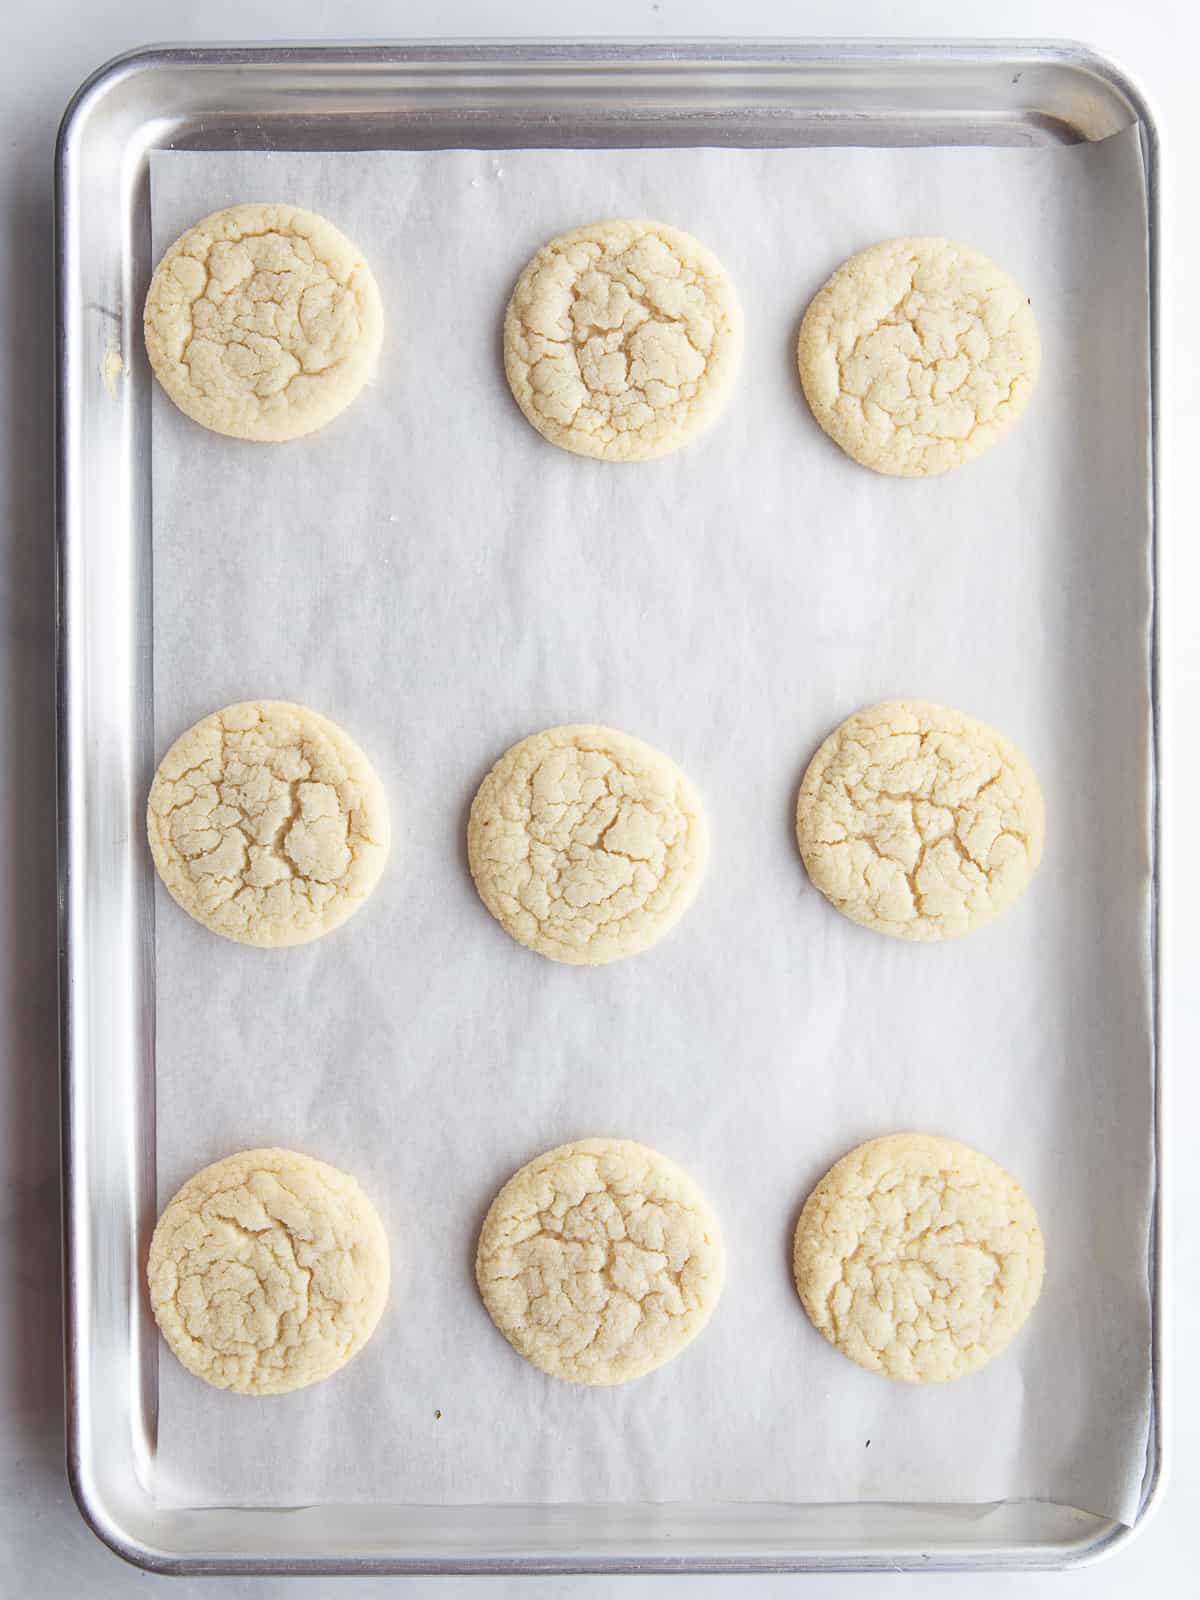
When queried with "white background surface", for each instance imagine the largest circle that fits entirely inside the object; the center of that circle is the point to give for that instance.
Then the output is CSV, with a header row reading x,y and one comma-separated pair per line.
x,y
45,1549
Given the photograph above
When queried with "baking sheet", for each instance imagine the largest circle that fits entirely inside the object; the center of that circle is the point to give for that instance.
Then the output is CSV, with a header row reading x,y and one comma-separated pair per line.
x,y
433,576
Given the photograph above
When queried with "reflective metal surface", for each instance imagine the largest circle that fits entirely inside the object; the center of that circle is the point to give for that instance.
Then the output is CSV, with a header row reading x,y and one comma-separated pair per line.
x,y
423,97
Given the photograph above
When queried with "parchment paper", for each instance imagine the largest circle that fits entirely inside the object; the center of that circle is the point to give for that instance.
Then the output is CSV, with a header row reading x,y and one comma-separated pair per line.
x,y
432,575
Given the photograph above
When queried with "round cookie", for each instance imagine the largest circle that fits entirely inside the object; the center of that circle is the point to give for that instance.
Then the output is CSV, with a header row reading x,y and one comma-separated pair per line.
x,y
268,1271
263,322
918,821
917,355
600,1261
267,824
622,339
586,845
918,1257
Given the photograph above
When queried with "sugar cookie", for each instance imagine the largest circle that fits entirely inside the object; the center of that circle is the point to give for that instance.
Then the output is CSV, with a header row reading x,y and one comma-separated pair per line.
x,y
263,322
268,1271
586,845
267,824
917,355
621,339
600,1261
918,1257
918,821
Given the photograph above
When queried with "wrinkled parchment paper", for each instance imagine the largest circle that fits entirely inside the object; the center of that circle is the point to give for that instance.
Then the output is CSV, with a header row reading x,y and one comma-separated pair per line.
x,y
432,575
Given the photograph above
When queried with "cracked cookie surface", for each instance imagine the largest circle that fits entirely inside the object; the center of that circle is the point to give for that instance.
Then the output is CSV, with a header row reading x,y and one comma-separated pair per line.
x,y
917,355
267,824
917,821
585,844
918,1257
600,1260
263,322
268,1271
621,339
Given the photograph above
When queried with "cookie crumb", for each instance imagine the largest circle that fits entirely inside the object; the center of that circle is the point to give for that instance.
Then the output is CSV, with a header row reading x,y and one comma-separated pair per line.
x,y
111,370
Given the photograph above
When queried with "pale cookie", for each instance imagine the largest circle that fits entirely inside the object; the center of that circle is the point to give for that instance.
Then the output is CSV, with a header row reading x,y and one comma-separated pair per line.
x,y
918,1257
263,322
268,1271
917,355
621,339
586,845
267,824
918,821
600,1261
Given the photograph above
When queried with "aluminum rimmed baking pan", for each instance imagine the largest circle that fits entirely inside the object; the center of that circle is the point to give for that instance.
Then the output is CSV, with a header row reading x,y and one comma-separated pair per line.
x,y
496,97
